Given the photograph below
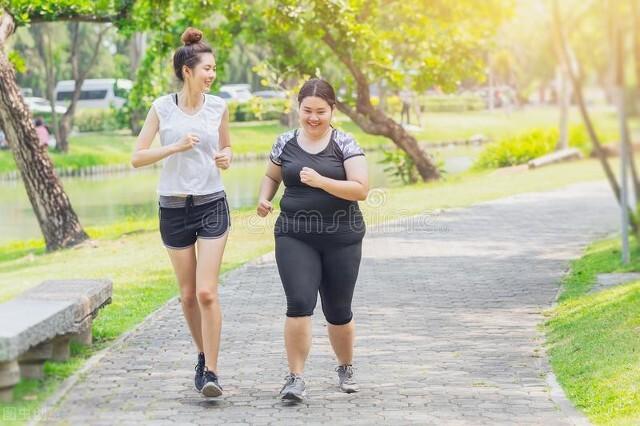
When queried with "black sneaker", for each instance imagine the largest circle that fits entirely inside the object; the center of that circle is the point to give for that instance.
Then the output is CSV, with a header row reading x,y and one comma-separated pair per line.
x,y
211,386
293,389
199,381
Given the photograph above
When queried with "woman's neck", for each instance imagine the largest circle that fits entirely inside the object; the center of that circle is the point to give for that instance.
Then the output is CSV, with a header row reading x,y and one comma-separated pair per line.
x,y
312,139
190,99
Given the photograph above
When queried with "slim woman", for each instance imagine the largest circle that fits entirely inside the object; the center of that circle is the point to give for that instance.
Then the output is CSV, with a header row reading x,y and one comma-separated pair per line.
x,y
194,214
319,231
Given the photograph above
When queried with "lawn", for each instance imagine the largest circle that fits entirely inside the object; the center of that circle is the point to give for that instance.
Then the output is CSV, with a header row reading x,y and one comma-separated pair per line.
x,y
593,338
90,149
130,253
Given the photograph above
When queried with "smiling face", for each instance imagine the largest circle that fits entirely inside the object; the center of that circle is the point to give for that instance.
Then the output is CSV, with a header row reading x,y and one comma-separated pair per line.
x,y
203,74
315,116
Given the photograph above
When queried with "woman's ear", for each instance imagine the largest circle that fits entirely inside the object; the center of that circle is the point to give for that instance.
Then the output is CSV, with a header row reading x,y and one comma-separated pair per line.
x,y
186,71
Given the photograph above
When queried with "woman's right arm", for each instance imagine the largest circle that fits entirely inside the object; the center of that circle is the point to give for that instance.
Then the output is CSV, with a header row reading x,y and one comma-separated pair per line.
x,y
143,155
268,188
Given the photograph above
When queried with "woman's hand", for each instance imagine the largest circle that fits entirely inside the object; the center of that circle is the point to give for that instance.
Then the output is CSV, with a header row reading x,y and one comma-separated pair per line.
x,y
187,142
312,178
264,208
222,159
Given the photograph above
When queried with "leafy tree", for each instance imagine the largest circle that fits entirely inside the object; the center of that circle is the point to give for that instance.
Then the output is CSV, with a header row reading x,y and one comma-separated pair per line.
x,y
395,43
59,223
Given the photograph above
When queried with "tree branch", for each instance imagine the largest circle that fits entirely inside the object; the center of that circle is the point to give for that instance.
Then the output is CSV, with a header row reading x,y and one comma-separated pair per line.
x,y
364,99
74,18
362,120
121,14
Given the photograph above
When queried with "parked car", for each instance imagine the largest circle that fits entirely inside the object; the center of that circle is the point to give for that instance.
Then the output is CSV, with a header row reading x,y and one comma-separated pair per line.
x,y
236,92
95,93
270,94
42,106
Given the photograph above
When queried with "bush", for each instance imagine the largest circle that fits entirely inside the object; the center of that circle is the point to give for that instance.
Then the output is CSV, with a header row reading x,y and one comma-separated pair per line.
x,y
519,149
400,166
97,120
258,109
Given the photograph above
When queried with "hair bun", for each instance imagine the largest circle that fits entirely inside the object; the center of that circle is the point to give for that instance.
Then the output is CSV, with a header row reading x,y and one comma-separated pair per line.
x,y
191,36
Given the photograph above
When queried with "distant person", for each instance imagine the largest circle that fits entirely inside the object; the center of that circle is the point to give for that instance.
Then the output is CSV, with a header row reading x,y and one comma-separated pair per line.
x,y
194,214
406,98
43,133
3,141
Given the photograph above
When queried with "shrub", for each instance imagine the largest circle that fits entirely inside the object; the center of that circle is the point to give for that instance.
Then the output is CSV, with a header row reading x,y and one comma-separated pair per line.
x,y
400,166
96,120
518,149
258,109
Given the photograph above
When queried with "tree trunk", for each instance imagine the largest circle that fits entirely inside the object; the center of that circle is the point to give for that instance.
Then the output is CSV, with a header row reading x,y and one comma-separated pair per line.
x,y
577,89
58,222
79,75
635,7
376,122
138,48
563,103
42,38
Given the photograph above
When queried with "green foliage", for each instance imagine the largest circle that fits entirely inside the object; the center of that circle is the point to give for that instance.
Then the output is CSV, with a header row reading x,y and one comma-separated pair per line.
x,y
400,166
519,149
17,61
155,76
416,44
97,120
257,109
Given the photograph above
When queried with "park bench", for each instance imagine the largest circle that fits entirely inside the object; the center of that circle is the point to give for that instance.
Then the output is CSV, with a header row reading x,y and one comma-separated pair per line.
x,y
39,324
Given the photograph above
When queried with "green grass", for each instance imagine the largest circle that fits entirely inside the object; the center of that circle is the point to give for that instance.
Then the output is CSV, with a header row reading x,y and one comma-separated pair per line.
x,y
109,148
131,254
497,124
594,339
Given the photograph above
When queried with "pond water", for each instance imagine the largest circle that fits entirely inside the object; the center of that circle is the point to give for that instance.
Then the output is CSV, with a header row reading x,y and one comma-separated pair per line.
x,y
106,199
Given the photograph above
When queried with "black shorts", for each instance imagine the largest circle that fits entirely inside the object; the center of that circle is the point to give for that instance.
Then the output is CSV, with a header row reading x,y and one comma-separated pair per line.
x,y
181,227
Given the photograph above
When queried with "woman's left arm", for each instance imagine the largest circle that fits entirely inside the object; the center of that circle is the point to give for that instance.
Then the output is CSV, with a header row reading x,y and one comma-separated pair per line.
x,y
224,155
355,188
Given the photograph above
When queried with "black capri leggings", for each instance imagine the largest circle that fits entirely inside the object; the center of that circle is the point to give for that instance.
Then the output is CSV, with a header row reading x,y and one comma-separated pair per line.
x,y
309,263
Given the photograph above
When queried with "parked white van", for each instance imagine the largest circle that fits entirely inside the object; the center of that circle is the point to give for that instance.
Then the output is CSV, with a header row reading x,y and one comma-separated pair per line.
x,y
237,92
95,93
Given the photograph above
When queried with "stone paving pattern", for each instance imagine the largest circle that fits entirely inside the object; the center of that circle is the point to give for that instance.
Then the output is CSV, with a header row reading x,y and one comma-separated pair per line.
x,y
447,309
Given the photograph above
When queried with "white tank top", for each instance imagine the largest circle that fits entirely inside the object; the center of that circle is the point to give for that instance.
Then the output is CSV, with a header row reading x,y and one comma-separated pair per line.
x,y
191,172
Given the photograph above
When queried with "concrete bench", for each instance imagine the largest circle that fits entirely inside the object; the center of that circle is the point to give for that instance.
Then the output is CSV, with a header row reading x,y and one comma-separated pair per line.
x,y
39,324
555,157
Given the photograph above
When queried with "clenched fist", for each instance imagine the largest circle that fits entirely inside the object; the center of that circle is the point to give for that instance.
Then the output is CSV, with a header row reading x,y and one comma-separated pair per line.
x,y
222,159
187,142
264,208
311,177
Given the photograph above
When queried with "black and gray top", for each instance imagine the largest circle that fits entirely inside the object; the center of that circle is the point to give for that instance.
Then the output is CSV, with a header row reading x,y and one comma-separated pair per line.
x,y
300,199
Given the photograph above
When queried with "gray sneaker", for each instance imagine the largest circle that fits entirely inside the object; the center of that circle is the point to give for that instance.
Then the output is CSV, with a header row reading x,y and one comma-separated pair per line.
x,y
345,379
293,389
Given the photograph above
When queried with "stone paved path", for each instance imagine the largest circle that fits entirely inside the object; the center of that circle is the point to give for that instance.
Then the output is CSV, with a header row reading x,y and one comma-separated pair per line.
x,y
447,309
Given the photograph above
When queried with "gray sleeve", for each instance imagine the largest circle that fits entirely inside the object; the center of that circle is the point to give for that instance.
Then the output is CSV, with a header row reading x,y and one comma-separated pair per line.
x,y
348,145
278,147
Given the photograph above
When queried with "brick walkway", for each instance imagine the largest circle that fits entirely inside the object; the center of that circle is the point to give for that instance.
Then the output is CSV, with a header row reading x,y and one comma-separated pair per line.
x,y
447,309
